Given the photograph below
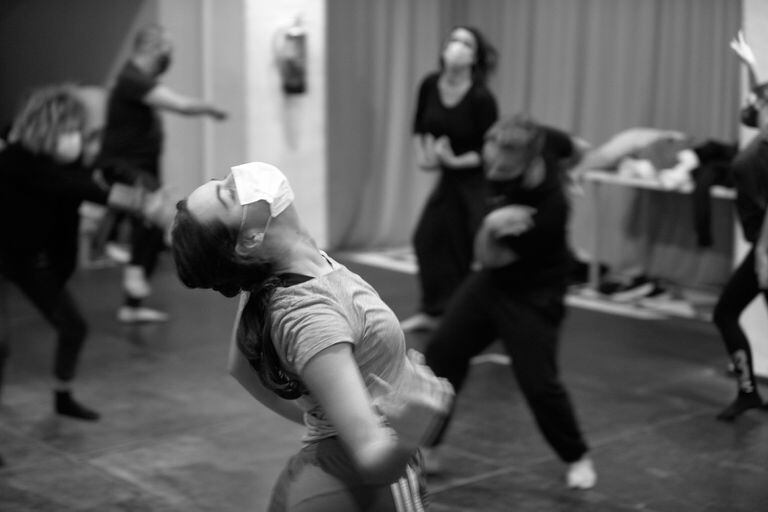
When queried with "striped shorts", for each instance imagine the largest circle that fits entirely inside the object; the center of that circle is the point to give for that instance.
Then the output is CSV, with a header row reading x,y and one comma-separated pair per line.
x,y
322,477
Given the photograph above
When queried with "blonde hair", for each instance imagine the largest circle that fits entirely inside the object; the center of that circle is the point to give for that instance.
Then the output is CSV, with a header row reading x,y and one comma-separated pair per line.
x,y
151,39
45,115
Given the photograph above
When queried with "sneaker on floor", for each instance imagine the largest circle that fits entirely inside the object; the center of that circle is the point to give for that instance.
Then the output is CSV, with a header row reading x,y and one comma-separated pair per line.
x,y
433,463
66,405
135,282
117,252
420,322
581,474
637,289
131,315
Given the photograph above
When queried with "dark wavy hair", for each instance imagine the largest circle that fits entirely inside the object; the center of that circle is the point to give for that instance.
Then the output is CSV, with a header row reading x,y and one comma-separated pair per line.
x,y
486,55
204,254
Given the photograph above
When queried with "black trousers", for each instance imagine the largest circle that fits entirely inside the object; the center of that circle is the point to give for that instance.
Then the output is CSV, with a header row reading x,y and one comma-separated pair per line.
x,y
147,243
444,238
737,294
51,297
529,327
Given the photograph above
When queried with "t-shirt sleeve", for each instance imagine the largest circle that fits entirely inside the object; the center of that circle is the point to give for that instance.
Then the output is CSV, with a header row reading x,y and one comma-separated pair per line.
x,y
303,331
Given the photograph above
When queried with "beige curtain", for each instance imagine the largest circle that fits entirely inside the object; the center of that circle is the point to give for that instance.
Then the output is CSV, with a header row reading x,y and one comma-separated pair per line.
x,y
593,67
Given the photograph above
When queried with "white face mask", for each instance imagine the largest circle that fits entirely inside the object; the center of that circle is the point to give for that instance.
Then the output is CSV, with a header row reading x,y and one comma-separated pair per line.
x,y
254,182
457,54
69,146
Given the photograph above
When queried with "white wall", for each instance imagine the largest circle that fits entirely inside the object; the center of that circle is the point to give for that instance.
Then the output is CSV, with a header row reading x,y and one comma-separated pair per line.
x,y
289,131
755,319
224,53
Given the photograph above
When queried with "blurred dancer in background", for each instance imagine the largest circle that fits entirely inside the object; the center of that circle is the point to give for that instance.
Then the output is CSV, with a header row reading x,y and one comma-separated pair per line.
x,y
44,177
132,150
454,109
517,296
750,279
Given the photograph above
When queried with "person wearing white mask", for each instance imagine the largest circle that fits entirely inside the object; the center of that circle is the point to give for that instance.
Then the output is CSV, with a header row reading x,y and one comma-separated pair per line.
x,y
44,177
454,109
133,146
314,343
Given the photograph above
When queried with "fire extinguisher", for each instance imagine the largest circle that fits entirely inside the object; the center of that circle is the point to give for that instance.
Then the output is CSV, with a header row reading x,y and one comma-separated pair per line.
x,y
291,53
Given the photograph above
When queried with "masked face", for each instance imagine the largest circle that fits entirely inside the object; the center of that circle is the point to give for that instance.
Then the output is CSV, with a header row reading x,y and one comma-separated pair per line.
x,y
69,147
457,54
460,49
264,192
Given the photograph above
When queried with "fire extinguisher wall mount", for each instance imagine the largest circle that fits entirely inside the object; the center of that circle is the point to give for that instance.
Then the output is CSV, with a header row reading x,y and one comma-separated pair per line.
x,y
291,55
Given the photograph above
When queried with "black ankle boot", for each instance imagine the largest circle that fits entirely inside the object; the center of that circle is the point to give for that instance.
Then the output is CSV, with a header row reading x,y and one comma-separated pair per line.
x,y
67,406
743,402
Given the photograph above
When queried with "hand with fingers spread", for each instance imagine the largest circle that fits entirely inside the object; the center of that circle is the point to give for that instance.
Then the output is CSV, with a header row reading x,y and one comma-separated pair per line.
x,y
418,406
743,50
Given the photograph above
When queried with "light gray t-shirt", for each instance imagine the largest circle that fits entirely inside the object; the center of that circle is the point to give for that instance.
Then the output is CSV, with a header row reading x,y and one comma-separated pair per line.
x,y
338,307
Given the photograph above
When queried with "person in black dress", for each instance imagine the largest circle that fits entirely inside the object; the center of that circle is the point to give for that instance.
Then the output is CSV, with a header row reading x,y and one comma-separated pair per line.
x,y
454,109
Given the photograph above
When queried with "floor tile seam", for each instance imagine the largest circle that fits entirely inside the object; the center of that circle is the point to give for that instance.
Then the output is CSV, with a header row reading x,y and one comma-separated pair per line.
x,y
85,459
127,477
511,469
89,455
645,428
586,383
155,440
506,470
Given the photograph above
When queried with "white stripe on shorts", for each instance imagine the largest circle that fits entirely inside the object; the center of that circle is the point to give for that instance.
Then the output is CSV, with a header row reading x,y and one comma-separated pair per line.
x,y
405,493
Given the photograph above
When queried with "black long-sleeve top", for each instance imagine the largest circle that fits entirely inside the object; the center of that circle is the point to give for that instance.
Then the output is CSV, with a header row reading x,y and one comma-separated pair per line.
x,y
543,257
750,175
39,210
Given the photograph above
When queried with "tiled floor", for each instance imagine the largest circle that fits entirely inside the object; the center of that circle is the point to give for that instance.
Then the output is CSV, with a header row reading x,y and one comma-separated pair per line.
x,y
178,434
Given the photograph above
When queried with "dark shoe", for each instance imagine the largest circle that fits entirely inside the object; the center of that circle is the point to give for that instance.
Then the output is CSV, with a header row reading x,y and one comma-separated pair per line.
x,y
743,402
66,405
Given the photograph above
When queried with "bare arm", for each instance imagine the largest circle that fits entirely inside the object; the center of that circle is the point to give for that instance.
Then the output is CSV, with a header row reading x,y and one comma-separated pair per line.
x,y
241,370
334,379
165,98
747,56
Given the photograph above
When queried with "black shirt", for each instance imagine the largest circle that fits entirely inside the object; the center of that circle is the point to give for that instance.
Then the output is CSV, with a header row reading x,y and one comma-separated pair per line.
x,y
750,175
39,209
544,258
133,134
464,124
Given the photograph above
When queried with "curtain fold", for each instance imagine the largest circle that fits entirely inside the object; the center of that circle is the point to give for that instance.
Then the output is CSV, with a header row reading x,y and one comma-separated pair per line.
x,y
593,67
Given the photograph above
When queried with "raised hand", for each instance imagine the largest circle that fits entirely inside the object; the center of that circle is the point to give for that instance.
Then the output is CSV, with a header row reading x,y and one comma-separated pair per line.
x,y
742,49
419,405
